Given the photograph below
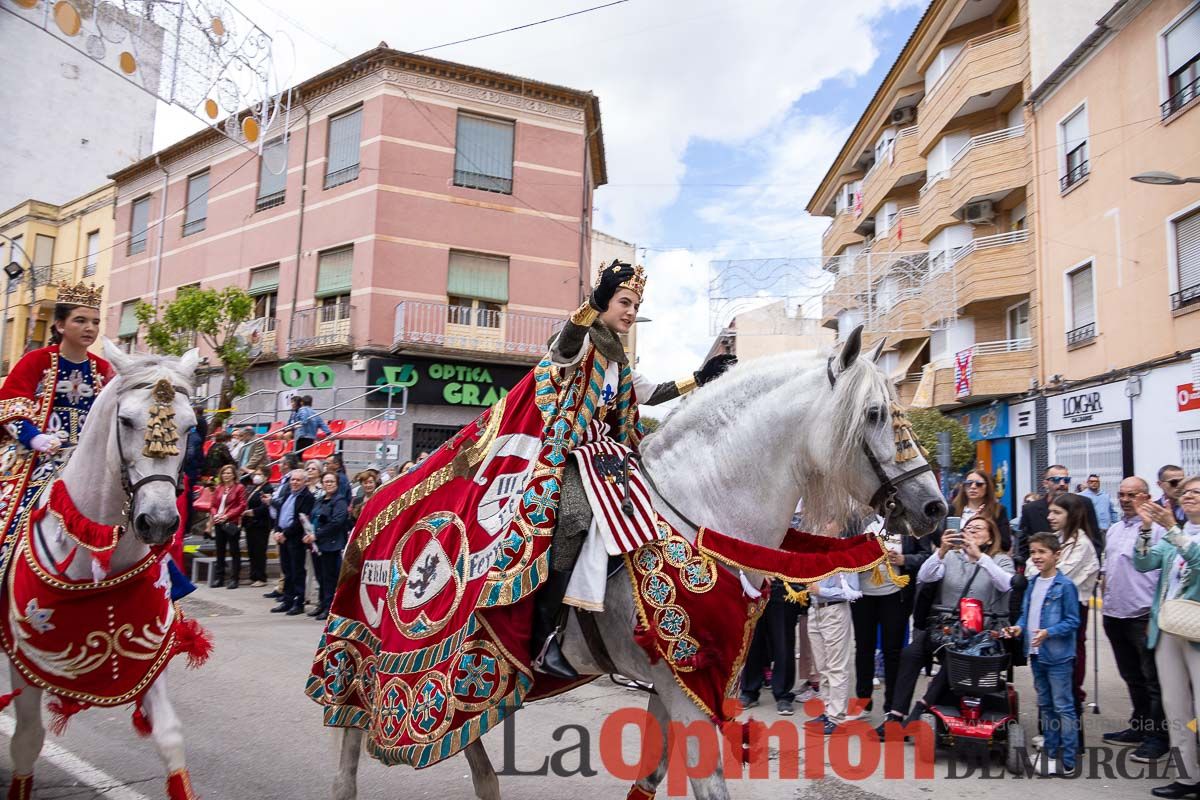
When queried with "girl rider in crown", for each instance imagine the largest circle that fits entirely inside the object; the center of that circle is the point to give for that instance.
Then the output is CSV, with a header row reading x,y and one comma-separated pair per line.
x,y
609,312
45,401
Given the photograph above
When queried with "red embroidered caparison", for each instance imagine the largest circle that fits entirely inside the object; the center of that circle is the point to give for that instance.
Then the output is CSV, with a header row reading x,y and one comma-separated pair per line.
x,y
99,540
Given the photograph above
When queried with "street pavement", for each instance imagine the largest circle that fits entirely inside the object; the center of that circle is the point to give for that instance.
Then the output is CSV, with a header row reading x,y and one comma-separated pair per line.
x,y
251,732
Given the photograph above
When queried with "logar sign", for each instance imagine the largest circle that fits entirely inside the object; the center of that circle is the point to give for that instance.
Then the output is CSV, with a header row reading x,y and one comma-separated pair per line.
x,y
1095,405
1082,407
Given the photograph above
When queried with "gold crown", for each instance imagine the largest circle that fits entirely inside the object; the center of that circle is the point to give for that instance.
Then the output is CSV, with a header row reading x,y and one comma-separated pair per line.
x,y
636,284
81,294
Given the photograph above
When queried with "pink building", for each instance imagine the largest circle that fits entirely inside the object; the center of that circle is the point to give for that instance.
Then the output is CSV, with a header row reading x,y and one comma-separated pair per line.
x,y
423,216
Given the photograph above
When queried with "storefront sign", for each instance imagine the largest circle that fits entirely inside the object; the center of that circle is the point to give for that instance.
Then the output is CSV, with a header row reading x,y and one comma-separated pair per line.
x,y
986,422
1096,405
453,383
1187,397
1022,419
294,375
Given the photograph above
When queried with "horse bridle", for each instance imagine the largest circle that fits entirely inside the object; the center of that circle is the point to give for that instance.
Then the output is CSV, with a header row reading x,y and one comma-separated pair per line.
x,y
883,502
131,487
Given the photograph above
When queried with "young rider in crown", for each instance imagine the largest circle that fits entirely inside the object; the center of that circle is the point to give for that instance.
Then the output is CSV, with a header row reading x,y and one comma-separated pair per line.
x,y
609,313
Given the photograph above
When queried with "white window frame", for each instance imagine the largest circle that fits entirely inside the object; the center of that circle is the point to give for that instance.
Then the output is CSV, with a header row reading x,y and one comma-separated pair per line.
x,y
1060,131
1069,299
1181,437
1164,89
200,223
91,261
1172,244
1008,329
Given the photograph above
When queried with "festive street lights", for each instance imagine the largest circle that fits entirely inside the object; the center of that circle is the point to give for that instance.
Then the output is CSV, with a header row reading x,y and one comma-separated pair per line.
x,y
1159,178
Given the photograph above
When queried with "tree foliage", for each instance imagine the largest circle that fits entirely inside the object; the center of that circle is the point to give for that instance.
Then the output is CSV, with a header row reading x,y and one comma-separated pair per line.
x,y
212,316
928,422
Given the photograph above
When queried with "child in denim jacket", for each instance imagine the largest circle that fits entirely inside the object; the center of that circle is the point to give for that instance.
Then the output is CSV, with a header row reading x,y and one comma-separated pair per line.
x,y
1049,619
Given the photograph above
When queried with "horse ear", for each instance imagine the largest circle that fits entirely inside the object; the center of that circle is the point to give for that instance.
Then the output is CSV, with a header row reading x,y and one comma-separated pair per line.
x,y
851,349
877,351
190,360
115,355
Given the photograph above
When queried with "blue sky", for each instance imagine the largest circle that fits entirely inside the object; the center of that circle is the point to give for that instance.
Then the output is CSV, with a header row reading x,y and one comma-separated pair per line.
x,y
755,93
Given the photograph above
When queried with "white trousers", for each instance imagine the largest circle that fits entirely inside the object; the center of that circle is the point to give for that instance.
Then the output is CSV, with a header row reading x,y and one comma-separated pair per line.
x,y
831,634
1178,671
586,588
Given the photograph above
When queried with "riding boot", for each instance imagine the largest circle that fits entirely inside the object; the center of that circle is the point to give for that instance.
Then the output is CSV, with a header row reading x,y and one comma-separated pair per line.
x,y
549,617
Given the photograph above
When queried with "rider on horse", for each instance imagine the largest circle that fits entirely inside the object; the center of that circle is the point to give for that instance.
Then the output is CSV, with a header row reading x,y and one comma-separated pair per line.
x,y
609,313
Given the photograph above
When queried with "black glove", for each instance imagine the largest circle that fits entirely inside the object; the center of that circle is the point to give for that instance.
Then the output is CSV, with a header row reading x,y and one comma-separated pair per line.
x,y
611,277
714,368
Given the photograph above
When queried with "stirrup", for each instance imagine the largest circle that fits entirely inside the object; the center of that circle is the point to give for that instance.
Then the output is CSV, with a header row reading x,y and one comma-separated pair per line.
x,y
561,670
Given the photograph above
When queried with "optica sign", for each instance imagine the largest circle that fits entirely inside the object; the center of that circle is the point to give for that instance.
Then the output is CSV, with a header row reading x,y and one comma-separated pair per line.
x,y
1187,397
438,382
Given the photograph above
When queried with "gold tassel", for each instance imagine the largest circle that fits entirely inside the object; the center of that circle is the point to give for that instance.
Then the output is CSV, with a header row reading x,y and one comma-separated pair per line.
x,y
162,434
798,596
895,577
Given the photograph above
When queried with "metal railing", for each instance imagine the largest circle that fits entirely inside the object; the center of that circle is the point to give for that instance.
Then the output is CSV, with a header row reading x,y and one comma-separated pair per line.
x,y
270,200
468,328
1015,132
987,242
1186,94
52,275
340,176
932,181
194,226
324,327
1187,296
1084,333
1073,176
829,227
1002,346
478,180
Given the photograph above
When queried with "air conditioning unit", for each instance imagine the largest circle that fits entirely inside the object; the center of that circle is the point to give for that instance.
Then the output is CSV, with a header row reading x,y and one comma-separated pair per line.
x,y
904,116
980,213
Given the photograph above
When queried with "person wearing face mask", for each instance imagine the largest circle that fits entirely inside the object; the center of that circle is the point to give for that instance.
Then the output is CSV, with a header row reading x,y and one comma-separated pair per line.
x,y
256,522
1177,559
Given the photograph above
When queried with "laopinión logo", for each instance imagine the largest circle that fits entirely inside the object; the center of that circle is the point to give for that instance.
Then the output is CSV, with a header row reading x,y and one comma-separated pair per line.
x,y
745,750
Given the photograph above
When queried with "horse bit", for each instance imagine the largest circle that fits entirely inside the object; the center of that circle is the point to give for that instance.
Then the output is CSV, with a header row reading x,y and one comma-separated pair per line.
x,y
883,502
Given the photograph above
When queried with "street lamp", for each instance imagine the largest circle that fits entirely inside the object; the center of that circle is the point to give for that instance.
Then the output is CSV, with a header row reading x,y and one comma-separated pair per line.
x,y
1159,178
14,271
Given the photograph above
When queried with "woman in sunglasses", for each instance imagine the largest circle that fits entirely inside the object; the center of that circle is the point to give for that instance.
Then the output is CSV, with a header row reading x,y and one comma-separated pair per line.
x,y
977,495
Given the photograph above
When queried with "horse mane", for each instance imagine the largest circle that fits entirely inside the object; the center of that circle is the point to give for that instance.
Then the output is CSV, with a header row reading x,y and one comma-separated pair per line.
x,y
746,402
143,368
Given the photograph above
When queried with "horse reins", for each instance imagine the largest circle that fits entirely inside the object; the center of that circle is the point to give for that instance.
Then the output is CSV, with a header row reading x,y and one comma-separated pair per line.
x,y
883,502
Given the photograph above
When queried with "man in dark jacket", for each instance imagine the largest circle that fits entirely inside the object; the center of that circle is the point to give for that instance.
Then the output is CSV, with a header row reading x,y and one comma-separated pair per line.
x,y
289,535
1056,481
331,521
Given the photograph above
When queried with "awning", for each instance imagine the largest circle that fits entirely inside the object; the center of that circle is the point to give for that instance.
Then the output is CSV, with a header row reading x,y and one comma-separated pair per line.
x,y
923,397
909,352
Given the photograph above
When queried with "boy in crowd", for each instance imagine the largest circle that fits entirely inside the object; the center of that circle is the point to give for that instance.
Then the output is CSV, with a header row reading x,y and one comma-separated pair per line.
x,y
1049,619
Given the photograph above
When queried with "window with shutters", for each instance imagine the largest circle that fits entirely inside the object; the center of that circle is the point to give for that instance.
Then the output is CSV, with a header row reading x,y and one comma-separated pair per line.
x,y
1181,49
477,290
139,219
195,214
334,272
1185,231
483,153
44,272
1073,143
1081,296
264,288
127,328
345,133
93,254
272,175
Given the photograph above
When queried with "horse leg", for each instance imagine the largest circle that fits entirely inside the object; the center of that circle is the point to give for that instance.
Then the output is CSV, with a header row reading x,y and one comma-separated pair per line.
x,y
680,709
167,732
483,775
345,785
28,737
649,784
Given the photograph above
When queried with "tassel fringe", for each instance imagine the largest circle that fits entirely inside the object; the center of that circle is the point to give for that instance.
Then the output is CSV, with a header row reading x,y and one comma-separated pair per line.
x,y
193,641
6,699
141,723
798,596
61,710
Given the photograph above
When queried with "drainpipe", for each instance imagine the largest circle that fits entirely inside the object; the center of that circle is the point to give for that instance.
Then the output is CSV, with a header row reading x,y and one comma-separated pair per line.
x,y
299,231
162,230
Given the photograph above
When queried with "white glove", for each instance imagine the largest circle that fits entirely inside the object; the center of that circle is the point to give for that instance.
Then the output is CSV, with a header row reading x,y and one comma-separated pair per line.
x,y
44,443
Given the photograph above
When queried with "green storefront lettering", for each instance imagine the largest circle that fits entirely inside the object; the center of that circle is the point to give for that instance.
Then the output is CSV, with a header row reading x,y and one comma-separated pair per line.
x,y
293,375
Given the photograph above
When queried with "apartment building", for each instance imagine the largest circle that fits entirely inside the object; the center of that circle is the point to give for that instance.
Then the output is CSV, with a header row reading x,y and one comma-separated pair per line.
x,y
1119,275
50,244
769,330
423,225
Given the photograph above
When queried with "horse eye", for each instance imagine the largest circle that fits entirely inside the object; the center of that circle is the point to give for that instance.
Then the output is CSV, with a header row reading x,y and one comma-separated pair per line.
x,y
874,415
127,422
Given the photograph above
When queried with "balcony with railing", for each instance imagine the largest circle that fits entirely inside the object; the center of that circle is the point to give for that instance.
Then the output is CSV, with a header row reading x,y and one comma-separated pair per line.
x,y
996,369
1185,297
1081,335
1074,175
322,329
841,231
993,267
264,336
897,165
989,165
1180,98
934,211
903,232
987,64
442,327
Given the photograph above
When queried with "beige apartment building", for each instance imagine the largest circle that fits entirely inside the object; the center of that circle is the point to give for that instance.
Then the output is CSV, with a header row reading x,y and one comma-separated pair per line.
x,y
1119,260
51,244
984,223
769,330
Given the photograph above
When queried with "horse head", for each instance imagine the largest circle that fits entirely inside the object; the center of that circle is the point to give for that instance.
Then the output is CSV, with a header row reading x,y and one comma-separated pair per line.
x,y
145,413
890,470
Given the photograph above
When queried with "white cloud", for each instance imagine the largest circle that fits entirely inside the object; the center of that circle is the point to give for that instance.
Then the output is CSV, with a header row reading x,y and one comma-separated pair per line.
x,y
668,74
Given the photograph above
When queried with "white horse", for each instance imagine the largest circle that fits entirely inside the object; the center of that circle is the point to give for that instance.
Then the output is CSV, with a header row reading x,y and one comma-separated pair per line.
x,y
737,457
108,459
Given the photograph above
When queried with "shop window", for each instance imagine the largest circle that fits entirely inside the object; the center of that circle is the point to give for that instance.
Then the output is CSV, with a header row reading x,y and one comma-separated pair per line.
x,y
427,438
1189,452
1093,451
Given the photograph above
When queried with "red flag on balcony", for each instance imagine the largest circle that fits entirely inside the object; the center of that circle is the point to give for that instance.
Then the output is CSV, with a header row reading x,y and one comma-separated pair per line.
x,y
962,372
900,229
858,203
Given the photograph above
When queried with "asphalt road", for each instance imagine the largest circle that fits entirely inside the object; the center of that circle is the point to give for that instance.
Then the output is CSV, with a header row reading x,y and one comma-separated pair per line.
x,y
252,733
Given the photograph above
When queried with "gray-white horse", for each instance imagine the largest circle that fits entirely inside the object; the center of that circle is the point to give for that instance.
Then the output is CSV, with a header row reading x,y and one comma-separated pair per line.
x,y
107,461
737,457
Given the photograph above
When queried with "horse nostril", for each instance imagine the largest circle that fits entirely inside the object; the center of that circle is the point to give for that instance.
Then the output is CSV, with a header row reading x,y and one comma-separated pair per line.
x,y
142,523
935,509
